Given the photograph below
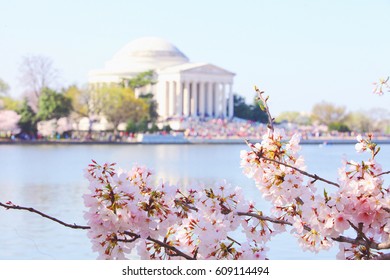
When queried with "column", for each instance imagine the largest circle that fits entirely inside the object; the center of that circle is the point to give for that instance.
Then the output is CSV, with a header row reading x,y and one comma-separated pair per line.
x,y
179,96
172,99
202,99
231,102
194,100
210,99
224,107
167,97
161,99
216,101
186,99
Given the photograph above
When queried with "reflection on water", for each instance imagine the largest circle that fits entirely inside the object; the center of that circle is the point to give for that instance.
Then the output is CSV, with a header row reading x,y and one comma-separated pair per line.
x,y
50,178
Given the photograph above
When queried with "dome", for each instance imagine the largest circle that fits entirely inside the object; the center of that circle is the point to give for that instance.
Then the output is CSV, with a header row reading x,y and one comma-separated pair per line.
x,y
149,53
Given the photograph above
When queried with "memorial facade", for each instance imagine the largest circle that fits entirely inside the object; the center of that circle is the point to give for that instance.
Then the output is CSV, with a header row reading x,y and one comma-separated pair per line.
x,y
182,88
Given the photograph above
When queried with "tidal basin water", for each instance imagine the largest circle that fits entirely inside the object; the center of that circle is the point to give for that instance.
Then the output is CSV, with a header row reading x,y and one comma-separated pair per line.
x,y
50,179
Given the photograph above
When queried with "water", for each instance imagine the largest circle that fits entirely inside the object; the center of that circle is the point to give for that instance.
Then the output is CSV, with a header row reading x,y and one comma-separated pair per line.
x,y
50,178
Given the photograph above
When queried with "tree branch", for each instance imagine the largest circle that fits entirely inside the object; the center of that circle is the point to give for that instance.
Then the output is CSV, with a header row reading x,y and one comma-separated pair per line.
x,y
383,257
356,241
9,205
314,176
269,219
174,249
383,173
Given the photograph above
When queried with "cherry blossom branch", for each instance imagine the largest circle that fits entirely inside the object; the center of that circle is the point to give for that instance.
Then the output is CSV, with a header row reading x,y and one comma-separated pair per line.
x,y
313,176
356,241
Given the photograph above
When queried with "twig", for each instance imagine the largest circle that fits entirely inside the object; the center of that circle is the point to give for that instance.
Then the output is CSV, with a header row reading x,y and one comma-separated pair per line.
x,y
359,231
174,249
16,207
233,240
74,226
386,209
383,173
269,219
162,244
266,108
383,257
314,176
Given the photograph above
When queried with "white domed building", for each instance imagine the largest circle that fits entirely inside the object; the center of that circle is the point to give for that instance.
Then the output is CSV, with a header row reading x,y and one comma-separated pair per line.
x,y
183,88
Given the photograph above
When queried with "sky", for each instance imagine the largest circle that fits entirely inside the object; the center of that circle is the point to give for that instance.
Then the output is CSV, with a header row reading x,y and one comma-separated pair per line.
x,y
299,52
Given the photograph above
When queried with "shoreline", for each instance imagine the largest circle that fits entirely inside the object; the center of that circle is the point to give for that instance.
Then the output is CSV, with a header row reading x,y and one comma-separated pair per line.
x,y
324,142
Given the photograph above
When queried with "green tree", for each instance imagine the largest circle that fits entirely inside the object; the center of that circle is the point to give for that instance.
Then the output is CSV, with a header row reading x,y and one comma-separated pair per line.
x,y
140,126
120,105
241,109
251,112
141,80
28,120
79,99
153,115
53,105
337,126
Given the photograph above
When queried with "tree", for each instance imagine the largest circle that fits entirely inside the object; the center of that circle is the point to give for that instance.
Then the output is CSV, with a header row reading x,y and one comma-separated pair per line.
x,y
251,112
152,103
28,119
53,105
140,80
37,73
120,105
80,100
327,113
4,88
9,121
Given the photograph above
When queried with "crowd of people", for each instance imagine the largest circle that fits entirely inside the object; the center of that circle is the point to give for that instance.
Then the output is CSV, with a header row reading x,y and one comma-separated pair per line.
x,y
224,129
217,129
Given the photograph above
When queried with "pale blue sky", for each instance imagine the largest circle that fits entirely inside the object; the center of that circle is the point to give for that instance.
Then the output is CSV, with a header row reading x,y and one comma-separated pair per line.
x,y
300,52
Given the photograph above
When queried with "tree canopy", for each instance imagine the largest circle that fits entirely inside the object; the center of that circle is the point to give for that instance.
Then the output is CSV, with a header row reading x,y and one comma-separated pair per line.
x,y
141,80
120,105
53,105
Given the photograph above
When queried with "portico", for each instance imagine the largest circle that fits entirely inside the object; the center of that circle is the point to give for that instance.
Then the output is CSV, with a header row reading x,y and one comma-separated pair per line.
x,y
195,90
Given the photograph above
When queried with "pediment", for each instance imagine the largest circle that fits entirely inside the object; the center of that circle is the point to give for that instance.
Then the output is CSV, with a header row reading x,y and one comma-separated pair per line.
x,y
209,69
